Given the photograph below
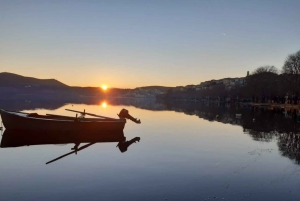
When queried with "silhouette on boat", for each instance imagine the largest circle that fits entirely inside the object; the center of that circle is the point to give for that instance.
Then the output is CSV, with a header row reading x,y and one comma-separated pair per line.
x,y
34,121
24,137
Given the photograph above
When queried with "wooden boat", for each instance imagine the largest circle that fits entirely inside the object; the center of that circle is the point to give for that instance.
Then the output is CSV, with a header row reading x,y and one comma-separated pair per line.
x,y
34,121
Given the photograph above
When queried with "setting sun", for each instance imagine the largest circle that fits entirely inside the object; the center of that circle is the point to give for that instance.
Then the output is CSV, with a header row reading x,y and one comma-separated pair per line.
x,y
104,104
104,87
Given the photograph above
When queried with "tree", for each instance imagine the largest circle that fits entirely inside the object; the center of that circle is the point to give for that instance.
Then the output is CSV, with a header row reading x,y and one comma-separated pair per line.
x,y
265,69
291,70
263,82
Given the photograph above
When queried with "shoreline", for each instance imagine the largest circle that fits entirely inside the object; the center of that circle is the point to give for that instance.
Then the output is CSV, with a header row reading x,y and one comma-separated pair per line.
x,y
274,105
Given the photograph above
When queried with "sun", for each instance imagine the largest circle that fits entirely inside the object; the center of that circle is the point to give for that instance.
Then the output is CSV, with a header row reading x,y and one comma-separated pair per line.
x,y
104,87
104,104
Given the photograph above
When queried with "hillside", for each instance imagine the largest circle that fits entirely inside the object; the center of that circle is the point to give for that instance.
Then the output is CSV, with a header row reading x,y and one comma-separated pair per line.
x,y
13,86
161,88
14,80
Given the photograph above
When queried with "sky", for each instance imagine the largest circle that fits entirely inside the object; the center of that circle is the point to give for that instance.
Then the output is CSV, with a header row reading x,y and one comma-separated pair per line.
x,y
131,43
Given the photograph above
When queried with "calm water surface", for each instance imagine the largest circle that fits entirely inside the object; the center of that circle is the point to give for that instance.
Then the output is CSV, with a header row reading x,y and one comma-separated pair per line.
x,y
179,157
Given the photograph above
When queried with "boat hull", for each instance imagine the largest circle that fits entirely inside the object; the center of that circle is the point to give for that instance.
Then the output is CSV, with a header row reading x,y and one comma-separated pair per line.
x,y
12,121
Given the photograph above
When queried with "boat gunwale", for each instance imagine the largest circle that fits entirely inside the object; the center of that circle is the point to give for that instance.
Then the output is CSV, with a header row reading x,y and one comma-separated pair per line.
x,y
49,118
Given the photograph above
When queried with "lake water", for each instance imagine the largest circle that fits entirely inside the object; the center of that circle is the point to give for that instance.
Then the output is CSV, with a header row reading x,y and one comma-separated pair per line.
x,y
186,152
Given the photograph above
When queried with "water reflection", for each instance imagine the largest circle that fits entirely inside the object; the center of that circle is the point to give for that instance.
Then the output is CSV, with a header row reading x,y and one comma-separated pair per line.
x,y
262,124
198,152
31,104
289,146
18,138
123,145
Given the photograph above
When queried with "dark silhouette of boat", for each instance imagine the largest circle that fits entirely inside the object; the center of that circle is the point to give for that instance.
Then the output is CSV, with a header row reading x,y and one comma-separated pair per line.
x,y
34,121
25,137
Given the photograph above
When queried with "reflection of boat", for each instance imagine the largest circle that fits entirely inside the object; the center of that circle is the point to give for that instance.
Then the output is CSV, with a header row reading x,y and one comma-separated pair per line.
x,y
21,120
17,138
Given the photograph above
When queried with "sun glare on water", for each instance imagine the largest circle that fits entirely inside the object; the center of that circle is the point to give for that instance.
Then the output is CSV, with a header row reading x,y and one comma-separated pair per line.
x,y
104,104
104,87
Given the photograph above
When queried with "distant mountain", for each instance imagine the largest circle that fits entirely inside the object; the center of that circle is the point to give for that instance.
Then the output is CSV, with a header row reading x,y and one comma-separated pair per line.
x,y
14,80
15,87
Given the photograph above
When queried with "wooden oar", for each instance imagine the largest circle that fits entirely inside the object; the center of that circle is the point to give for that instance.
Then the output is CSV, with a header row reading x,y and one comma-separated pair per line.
x,y
55,115
94,115
82,120
81,148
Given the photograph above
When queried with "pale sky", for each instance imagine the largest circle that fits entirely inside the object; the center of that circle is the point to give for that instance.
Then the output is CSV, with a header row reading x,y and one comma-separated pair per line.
x,y
132,43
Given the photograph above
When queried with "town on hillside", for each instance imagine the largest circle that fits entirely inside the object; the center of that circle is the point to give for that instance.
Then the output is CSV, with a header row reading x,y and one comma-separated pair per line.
x,y
229,83
265,85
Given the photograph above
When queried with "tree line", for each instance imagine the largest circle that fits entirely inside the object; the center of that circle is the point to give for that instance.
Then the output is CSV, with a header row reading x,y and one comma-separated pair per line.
x,y
264,84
